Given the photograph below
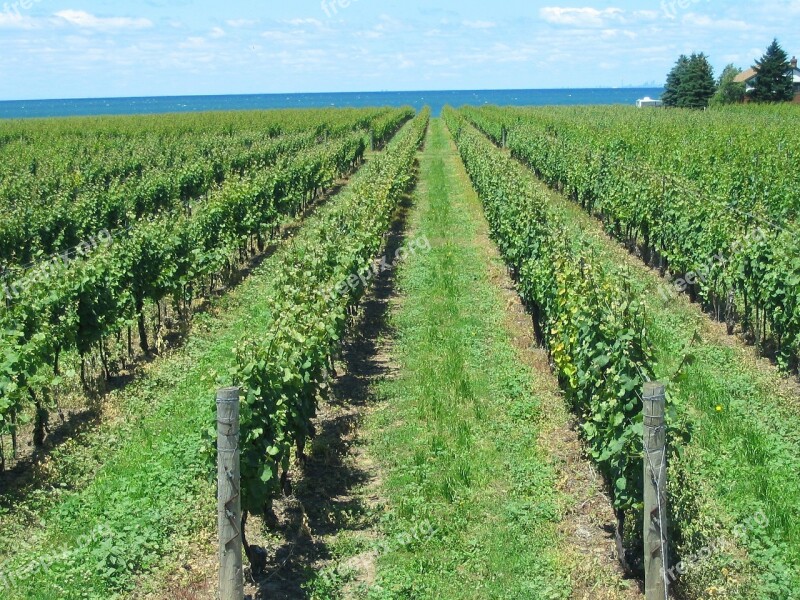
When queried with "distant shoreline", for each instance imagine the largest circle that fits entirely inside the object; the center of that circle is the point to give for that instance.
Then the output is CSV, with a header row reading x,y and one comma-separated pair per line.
x,y
21,109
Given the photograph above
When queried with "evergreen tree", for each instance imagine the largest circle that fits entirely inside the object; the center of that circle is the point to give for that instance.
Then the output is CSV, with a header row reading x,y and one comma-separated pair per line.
x,y
698,87
728,91
690,84
774,81
672,89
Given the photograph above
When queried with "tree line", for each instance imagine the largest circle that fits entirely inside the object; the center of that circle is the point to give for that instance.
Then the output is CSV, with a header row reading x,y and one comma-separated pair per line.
x,y
691,83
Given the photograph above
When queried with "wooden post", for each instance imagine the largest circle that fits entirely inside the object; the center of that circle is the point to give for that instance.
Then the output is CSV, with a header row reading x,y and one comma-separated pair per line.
x,y
656,540
229,504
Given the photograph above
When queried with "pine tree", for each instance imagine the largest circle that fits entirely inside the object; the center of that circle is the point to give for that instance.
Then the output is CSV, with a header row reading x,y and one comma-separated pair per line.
x,y
672,88
774,80
698,86
690,84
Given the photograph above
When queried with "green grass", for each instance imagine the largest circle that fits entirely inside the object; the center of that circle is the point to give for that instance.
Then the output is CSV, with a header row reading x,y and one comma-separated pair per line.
x,y
744,453
472,505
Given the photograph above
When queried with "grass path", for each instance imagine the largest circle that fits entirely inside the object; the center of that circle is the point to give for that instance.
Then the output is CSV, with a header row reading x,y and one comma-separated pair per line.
x,y
474,503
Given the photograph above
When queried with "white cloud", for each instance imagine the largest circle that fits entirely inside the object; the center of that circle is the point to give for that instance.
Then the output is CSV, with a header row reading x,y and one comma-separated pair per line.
x,y
15,20
609,34
306,60
662,52
86,20
580,17
388,25
735,58
696,20
500,53
480,24
372,34
193,42
403,62
299,22
286,38
776,8
217,32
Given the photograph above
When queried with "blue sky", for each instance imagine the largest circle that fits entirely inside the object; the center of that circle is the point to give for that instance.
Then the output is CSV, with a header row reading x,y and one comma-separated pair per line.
x,y
93,48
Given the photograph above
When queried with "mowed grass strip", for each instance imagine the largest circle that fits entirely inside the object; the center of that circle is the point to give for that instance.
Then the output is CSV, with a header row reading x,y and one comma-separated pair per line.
x,y
472,509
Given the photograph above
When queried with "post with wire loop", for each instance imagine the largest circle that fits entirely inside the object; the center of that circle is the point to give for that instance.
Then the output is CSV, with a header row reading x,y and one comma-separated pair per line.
x,y
656,540
229,503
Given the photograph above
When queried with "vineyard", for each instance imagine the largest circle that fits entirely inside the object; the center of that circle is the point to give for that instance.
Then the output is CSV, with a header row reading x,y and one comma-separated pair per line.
x,y
177,228
604,328
404,433
711,200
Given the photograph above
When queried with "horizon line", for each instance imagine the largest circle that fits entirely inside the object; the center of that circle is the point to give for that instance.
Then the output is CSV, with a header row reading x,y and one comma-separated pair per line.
x,y
623,87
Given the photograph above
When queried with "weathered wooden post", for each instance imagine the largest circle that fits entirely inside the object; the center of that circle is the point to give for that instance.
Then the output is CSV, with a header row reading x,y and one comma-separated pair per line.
x,y
656,541
229,504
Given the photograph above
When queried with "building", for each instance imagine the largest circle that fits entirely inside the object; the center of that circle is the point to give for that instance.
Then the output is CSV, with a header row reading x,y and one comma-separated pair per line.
x,y
748,79
648,102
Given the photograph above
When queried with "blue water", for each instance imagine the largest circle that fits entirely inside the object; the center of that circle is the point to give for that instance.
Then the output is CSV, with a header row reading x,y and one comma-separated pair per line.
x,y
19,109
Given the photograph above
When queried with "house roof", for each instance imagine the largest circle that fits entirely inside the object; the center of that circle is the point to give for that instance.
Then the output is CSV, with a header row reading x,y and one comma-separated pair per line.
x,y
746,76
751,73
